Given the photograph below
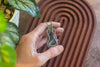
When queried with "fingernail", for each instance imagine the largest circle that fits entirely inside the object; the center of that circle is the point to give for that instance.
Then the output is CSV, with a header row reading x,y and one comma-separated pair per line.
x,y
62,29
59,24
60,48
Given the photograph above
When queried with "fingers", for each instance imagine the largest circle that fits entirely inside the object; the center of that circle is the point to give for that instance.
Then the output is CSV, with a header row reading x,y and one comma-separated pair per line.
x,y
59,31
43,26
42,42
52,52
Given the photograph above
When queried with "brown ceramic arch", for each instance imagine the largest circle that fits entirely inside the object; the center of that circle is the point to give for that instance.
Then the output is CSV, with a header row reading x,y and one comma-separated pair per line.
x,y
78,20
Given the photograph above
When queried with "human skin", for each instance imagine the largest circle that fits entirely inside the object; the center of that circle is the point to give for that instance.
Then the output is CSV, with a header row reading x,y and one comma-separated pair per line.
x,y
27,55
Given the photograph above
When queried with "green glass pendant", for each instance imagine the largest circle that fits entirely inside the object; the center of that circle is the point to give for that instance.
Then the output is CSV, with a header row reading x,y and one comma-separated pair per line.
x,y
51,36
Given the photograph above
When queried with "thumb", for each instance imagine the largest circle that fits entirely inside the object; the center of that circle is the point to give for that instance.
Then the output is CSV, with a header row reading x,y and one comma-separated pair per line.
x,y
52,52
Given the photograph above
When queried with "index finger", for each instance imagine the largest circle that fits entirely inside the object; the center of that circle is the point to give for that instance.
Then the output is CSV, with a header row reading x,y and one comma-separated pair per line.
x,y
43,26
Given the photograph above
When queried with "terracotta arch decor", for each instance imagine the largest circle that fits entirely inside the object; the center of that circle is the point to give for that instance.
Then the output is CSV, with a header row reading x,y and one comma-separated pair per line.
x,y
78,20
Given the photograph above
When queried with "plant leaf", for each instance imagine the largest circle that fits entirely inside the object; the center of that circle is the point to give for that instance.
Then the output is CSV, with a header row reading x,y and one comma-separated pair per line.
x,y
3,22
11,36
14,32
28,6
6,39
7,56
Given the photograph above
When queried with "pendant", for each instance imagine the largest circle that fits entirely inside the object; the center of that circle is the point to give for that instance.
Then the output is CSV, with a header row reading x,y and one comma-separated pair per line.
x,y
51,36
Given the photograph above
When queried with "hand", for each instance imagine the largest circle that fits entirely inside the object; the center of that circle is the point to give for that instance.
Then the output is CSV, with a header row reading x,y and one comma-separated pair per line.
x,y
27,55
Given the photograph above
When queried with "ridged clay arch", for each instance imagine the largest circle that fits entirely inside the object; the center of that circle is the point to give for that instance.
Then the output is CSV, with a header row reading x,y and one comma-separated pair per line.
x,y
78,20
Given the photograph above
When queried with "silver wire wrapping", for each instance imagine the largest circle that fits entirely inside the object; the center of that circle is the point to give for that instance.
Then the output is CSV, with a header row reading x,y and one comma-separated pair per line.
x,y
51,36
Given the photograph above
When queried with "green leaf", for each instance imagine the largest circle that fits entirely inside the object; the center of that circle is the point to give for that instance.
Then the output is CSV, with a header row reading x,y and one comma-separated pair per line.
x,y
6,39
28,6
3,22
12,28
14,32
7,56
11,36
